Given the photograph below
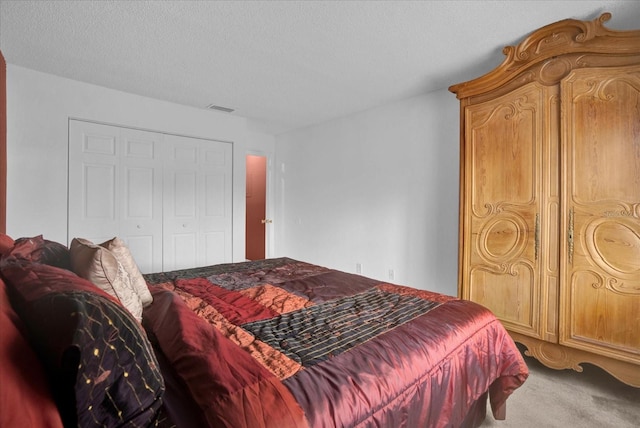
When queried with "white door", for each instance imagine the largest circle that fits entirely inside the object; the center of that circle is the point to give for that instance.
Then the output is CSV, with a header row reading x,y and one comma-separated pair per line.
x,y
141,210
168,197
115,188
93,199
197,202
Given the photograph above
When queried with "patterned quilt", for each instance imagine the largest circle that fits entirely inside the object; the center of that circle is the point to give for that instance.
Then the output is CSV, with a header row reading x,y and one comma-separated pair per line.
x,y
281,342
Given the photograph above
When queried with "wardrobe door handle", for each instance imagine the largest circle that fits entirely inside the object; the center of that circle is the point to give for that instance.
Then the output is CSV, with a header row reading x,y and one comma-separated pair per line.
x,y
570,237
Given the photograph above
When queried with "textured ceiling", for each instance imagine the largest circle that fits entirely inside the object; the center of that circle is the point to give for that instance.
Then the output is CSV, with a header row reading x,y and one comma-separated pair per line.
x,y
281,64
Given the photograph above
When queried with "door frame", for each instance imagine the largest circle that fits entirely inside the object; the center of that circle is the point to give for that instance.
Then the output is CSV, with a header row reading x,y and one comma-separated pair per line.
x,y
269,227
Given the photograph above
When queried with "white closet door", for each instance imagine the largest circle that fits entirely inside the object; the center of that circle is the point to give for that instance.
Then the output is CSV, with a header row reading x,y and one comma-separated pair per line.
x,y
115,188
197,202
94,202
141,199
216,211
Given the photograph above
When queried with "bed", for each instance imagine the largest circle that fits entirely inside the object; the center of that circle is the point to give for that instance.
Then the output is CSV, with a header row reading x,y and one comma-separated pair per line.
x,y
269,343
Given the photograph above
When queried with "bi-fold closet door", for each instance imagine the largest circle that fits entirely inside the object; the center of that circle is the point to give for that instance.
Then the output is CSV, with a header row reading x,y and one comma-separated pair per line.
x,y
197,213
168,197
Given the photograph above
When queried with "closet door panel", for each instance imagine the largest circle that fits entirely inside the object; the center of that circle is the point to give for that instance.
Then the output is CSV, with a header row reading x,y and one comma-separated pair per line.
x,y
602,299
181,250
217,209
502,206
184,184
181,202
215,247
198,217
94,181
141,175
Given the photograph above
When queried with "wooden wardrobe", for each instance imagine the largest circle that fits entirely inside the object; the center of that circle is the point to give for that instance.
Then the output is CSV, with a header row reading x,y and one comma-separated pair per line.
x,y
550,195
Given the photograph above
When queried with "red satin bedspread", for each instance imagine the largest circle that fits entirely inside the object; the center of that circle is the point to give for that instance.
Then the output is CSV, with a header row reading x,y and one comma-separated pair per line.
x,y
282,343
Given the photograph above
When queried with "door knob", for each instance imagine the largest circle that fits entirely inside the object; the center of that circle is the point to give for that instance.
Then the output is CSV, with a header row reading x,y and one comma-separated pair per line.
x,y
266,220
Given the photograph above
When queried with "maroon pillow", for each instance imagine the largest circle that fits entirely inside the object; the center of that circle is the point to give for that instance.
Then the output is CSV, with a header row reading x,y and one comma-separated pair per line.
x,y
24,390
6,243
101,367
40,250
27,248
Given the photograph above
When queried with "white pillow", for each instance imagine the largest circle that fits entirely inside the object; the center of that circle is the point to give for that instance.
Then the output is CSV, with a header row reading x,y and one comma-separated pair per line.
x,y
123,254
102,268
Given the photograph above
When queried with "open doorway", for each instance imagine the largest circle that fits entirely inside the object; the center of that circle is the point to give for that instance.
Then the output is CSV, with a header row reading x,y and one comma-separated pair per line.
x,y
256,201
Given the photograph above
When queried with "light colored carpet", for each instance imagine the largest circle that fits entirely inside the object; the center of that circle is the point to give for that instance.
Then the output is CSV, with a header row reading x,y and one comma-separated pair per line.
x,y
566,399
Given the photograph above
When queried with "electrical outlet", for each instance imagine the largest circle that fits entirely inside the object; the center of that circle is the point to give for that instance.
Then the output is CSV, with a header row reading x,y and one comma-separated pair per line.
x,y
358,267
392,274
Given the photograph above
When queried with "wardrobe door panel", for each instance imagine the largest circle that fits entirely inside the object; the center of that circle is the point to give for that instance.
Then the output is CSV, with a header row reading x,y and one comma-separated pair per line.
x,y
601,301
502,206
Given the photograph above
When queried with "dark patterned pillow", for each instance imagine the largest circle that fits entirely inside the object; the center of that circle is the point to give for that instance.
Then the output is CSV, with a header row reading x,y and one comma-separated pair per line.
x,y
101,366
55,254
40,250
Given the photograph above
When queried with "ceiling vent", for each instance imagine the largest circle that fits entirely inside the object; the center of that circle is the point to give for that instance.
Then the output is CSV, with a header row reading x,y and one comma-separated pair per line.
x,y
220,108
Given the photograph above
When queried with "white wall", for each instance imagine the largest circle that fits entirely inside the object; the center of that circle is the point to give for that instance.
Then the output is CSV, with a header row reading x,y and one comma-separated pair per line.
x,y
378,188
38,108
